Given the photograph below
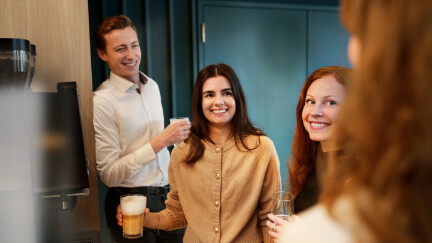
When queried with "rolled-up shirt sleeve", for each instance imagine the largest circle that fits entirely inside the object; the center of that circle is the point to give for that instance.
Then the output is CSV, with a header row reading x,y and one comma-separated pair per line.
x,y
112,167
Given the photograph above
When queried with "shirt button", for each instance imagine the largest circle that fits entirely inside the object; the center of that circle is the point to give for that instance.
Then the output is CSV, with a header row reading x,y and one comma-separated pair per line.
x,y
217,150
217,176
217,203
216,229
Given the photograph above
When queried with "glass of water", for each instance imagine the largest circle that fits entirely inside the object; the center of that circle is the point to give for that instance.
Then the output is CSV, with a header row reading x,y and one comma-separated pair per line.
x,y
283,205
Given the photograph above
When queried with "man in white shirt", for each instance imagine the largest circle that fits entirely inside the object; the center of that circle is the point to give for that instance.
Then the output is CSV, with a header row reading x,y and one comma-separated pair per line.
x,y
131,141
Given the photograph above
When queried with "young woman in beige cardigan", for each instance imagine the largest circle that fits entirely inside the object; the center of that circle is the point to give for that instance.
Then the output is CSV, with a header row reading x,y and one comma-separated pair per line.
x,y
224,175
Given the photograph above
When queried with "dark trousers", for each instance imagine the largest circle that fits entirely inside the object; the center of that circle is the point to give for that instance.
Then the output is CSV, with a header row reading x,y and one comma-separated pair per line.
x,y
156,197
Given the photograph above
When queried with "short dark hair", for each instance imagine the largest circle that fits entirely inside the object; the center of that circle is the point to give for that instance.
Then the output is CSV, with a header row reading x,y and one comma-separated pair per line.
x,y
108,24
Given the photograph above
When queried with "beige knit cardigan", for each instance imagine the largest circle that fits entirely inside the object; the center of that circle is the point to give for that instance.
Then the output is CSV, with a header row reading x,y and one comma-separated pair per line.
x,y
227,194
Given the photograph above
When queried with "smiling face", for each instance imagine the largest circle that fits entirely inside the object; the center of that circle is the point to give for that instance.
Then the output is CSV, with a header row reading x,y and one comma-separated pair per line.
x,y
218,102
321,110
122,53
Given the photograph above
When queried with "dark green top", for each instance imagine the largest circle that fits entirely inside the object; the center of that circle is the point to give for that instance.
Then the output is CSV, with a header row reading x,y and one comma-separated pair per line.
x,y
312,189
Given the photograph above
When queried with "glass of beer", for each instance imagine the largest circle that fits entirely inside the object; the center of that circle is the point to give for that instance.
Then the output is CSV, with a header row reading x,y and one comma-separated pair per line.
x,y
133,207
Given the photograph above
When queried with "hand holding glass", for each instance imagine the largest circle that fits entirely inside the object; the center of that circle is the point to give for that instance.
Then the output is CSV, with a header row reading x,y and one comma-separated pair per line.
x,y
283,205
133,207
178,119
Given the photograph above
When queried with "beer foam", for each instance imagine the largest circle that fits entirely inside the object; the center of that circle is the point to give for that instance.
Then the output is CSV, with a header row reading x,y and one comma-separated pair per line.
x,y
133,205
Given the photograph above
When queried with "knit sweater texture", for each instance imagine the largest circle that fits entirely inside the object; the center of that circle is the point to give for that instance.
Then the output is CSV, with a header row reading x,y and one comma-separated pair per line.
x,y
227,194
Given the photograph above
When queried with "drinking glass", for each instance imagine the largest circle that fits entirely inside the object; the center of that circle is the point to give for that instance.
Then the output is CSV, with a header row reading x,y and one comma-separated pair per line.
x,y
178,119
283,205
133,207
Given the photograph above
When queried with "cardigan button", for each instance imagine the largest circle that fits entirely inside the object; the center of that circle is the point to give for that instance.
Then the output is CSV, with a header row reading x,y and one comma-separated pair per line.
x,y
217,176
217,150
217,203
216,229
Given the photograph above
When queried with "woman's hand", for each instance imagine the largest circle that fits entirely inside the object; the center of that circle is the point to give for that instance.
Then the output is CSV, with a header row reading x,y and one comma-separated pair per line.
x,y
119,215
276,226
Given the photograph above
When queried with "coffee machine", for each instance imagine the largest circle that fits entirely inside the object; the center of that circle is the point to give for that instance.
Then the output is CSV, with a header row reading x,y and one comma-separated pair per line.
x,y
43,164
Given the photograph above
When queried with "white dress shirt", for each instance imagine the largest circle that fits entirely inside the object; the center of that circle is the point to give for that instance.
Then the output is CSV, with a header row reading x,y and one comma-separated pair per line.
x,y
125,122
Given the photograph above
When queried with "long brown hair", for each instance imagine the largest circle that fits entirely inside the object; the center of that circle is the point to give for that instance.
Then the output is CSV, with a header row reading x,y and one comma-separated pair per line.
x,y
303,148
242,127
385,120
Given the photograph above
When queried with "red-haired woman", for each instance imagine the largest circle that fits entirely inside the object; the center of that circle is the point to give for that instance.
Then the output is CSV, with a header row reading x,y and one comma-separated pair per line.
x,y
317,113
385,125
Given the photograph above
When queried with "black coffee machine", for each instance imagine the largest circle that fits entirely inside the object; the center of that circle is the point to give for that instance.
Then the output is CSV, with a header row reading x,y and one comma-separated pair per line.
x,y
60,166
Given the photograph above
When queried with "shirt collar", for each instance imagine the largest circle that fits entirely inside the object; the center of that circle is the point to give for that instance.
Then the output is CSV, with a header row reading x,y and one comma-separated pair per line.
x,y
125,85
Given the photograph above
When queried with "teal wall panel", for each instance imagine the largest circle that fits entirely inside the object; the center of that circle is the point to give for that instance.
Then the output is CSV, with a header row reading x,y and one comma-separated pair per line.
x,y
266,47
159,51
181,56
327,40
